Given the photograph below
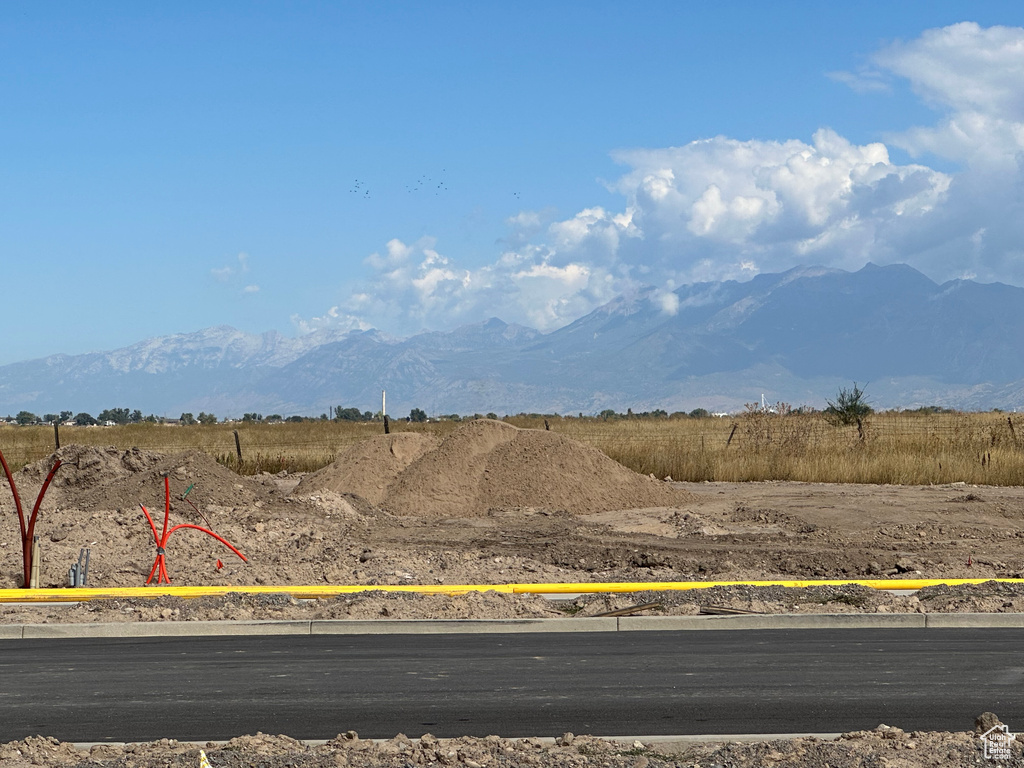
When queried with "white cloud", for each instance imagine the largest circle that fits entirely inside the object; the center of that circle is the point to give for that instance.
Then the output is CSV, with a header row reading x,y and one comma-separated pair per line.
x,y
728,208
708,209
668,302
974,76
862,81
332,318
230,271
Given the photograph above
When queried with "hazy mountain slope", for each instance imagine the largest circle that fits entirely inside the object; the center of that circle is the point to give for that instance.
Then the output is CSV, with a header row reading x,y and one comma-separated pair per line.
x,y
794,336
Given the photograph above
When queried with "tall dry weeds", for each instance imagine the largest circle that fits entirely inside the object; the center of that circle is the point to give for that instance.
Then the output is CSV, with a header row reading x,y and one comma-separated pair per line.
x,y
896,448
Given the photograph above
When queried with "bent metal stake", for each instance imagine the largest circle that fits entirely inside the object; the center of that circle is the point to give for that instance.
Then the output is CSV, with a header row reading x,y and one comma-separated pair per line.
x,y
159,565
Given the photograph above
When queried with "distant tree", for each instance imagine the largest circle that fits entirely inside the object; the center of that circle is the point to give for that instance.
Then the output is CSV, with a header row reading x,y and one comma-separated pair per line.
x,y
66,415
116,415
274,417
206,419
607,414
50,418
252,417
698,413
136,417
187,419
84,420
151,419
850,406
347,414
417,415
295,419
26,417
930,410
492,415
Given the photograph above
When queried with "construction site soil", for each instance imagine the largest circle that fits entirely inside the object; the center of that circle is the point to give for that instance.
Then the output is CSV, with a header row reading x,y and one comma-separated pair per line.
x,y
883,747
493,504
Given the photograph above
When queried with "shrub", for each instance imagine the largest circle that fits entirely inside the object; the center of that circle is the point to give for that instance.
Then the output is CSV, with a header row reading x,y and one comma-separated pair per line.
x,y
850,406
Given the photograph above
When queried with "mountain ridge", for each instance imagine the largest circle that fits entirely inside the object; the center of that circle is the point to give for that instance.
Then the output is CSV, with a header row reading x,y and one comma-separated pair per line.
x,y
794,336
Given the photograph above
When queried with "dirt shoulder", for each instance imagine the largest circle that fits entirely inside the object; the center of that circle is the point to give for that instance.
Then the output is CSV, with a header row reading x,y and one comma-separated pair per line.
x,y
883,746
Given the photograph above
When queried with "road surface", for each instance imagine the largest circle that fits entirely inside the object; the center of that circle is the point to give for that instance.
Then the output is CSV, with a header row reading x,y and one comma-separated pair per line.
x,y
614,683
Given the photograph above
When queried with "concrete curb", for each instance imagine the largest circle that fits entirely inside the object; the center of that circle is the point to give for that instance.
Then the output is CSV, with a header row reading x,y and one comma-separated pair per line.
x,y
166,629
777,621
516,626
966,620
460,626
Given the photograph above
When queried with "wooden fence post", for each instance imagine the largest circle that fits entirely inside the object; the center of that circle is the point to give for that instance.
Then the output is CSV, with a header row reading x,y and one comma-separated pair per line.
x,y
727,442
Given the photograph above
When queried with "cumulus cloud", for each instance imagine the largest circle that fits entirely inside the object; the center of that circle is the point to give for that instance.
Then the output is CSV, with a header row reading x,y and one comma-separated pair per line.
x,y
333,318
974,76
721,208
414,286
728,208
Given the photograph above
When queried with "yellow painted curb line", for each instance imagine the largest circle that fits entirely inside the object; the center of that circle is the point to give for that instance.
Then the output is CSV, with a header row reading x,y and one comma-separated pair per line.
x,y
80,594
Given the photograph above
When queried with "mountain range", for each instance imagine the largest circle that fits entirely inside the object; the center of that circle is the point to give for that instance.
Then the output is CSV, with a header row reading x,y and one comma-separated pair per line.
x,y
795,336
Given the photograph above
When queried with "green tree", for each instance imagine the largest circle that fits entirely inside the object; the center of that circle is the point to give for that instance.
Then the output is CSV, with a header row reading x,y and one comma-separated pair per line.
x,y
187,419
347,414
49,418
206,419
66,415
84,420
116,415
698,413
417,414
26,417
849,407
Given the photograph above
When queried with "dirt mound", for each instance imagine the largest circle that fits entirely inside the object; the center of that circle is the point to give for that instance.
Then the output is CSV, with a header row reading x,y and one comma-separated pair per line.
x,y
486,465
211,484
369,467
86,466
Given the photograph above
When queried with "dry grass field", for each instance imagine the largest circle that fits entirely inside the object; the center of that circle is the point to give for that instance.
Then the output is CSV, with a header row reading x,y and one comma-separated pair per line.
x,y
890,448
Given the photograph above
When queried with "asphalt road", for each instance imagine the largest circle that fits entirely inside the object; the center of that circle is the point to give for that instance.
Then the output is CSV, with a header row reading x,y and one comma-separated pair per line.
x,y
615,683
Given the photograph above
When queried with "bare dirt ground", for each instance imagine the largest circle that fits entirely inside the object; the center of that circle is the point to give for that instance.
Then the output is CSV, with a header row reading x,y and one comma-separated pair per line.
x,y
883,747
492,504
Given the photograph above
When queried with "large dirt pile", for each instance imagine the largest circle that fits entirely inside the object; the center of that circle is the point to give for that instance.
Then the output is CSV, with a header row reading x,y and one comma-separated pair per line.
x,y
487,465
369,467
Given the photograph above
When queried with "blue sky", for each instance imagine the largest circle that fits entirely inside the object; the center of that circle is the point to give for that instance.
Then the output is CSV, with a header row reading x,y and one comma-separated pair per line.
x,y
408,166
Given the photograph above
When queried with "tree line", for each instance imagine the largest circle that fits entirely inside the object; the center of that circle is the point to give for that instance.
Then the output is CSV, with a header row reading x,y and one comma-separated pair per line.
x,y
120,416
